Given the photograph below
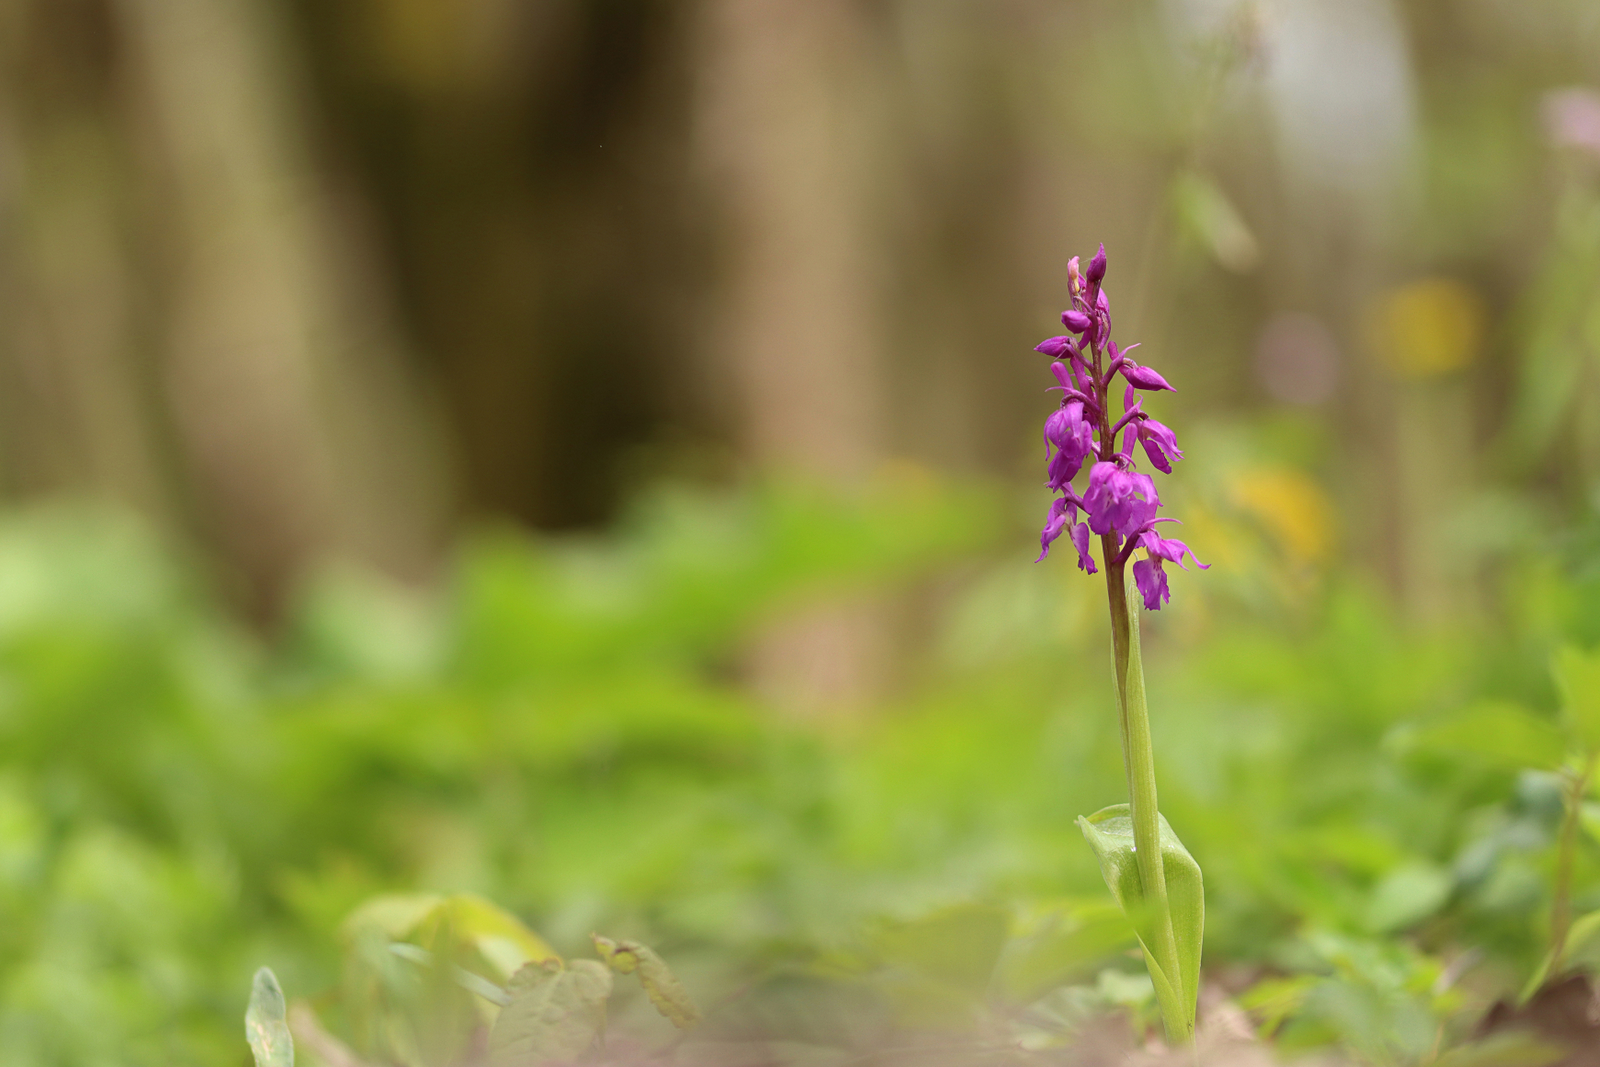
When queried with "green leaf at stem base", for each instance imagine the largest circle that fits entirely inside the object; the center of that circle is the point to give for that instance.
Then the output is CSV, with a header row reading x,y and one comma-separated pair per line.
x,y
1109,832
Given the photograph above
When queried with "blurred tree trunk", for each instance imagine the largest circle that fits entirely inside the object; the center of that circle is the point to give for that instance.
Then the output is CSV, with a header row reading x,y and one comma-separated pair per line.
x,y
786,116
72,386
163,166
296,420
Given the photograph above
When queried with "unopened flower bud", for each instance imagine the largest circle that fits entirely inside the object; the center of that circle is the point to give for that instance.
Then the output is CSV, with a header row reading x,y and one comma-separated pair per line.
x,y
1097,267
1076,321
1144,378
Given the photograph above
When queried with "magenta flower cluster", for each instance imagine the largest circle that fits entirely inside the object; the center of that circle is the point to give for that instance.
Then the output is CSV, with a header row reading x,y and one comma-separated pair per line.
x,y
1119,503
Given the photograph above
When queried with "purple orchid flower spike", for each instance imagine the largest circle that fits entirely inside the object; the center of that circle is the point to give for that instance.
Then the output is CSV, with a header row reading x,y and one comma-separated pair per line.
x,y
1120,503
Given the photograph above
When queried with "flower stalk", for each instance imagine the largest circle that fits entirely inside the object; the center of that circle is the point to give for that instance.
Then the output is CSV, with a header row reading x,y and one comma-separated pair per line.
x,y
1139,762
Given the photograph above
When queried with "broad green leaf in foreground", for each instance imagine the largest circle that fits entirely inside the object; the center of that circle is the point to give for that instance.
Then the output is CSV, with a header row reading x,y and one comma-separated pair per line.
x,y
957,946
666,992
1110,833
1072,939
499,937
264,1024
555,1014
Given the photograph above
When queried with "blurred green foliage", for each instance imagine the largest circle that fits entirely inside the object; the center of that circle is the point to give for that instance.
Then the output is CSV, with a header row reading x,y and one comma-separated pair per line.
x,y
561,729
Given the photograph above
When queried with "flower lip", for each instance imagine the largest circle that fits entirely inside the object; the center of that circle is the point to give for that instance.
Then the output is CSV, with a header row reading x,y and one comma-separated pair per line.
x,y
1054,523
1152,583
1080,540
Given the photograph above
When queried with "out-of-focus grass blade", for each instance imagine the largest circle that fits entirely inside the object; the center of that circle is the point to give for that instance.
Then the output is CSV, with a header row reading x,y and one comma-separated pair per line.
x,y
265,1025
1206,212
1504,1050
464,978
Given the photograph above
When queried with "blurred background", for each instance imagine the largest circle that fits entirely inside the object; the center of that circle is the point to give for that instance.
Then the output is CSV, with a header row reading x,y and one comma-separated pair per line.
x,y
587,452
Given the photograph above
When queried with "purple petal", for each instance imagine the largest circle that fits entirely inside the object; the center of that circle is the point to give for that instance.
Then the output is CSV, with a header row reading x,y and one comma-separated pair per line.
x,y
1063,375
1062,427
1076,321
1157,460
1063,468
1152,582
1144,378
1054,346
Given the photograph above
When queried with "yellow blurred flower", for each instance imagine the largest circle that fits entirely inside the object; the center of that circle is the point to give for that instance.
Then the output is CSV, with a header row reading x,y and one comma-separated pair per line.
x,y
1292,507
1428,328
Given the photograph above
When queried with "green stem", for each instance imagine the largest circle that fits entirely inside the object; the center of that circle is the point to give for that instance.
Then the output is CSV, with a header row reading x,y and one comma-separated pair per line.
x,y
1561,907
1139,761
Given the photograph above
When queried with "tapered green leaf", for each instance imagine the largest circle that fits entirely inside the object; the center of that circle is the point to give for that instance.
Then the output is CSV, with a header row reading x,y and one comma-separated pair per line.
x,y
1577,676
555,1014
1110,833
665,991
265,1025
1406,895
1583,942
